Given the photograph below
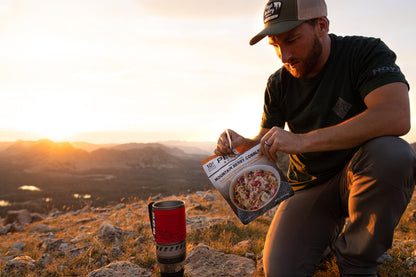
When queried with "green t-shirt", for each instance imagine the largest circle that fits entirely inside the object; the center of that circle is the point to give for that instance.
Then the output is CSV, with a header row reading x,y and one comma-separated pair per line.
x,y
356,66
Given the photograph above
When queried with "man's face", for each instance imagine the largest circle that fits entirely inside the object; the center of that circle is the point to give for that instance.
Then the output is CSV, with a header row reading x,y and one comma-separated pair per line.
x,y
299,49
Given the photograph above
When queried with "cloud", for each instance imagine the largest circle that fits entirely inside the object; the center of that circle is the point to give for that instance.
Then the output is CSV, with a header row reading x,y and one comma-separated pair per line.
x,y
212,9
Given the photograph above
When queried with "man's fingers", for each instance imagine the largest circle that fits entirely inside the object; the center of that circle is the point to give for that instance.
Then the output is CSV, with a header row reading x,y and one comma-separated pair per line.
x,y
273,154
268,147
266,151
223,147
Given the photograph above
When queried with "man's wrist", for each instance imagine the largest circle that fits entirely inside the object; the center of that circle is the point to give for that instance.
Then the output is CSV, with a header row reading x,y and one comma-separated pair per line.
x,y
251,142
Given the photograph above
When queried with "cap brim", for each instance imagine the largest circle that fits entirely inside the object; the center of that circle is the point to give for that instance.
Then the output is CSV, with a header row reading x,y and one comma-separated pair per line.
x,y
275,29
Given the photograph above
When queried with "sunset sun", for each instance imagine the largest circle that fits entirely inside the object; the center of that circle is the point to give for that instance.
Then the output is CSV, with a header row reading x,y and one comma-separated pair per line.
x,y
54,116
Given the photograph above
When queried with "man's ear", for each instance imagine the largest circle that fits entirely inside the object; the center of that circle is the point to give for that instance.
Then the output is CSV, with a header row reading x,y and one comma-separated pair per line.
x,y
323,25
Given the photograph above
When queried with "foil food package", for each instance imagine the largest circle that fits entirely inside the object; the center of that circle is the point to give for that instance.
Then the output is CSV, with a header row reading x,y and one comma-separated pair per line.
x,y
248,181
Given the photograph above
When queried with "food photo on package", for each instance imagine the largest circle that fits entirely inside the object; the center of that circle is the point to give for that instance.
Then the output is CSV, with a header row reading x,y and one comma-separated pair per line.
x,y
248,181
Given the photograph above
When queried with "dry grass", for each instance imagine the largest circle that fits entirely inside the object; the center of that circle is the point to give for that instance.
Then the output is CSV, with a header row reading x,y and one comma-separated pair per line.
x,y
139,246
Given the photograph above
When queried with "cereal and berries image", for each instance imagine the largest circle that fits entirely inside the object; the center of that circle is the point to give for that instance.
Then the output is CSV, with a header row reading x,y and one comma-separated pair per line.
x,y
254,187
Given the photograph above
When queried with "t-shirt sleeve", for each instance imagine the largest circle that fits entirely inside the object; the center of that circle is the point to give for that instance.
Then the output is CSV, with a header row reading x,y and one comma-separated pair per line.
x,y
377,66
272,110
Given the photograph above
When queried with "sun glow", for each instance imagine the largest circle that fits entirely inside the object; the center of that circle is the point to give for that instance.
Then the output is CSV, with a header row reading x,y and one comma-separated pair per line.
x,y
53,127
246,116
52,115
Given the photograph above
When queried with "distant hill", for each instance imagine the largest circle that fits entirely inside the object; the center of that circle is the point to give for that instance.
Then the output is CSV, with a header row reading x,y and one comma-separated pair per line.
x,y
5,144
64,174
64,156
203,147
91,146
188,147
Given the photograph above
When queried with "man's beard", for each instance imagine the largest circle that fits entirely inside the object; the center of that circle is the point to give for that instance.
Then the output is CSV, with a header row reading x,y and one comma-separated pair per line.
x,y
308,64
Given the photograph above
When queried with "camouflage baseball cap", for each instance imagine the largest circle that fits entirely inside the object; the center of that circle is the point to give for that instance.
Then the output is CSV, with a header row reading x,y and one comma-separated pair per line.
x,y
284,15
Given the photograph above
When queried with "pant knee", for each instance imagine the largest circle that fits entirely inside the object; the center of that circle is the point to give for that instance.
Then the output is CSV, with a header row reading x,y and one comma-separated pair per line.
x,y
389,158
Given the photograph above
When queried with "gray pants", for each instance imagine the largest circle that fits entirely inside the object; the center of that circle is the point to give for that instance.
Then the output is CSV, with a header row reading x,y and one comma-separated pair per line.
x,y
373,190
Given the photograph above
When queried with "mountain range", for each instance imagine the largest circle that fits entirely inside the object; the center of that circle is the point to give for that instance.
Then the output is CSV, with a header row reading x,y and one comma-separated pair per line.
x,y
40,175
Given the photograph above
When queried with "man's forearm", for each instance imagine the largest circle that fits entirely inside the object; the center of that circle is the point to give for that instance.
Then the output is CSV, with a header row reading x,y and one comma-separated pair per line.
x,y
382,118
346,135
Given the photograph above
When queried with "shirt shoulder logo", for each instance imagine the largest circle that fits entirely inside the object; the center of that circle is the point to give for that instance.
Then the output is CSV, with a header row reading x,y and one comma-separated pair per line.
x,y
385,69
272,11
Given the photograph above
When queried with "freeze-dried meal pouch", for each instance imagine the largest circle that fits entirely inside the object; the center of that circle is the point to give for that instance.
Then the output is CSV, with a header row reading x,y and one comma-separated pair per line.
x,y
248,181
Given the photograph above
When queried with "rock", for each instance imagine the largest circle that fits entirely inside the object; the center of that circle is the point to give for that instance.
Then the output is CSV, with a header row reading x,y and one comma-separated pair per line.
x,y
140,239
210,197
200,207
118,269
190,200
14,227
83,228
62,267
84,220
242,247
77,251
51,246
54,213
46,237
384,258
206,195
19,266
18,247
412,216
130,233
115,252
21,217
101,210
156,197
250,256
199,223
410,263
101,261
108,232
260,266
3,231
118,207
43,228
44,260
80,211
81,237
270,213
206,261
65,247
36,217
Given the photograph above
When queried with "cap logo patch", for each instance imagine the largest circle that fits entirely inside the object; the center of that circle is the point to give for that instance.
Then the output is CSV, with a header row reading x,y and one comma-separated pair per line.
x,y
272,11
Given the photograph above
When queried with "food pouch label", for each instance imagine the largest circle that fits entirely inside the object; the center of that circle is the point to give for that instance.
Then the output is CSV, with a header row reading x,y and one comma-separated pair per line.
x,y
248,181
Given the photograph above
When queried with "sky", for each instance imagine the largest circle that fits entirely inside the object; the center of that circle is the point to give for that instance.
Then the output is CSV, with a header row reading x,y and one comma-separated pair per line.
x,y
143,70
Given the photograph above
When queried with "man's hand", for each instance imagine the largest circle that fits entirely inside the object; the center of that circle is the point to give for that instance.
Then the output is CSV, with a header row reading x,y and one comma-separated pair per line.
x,y
277,139
223,143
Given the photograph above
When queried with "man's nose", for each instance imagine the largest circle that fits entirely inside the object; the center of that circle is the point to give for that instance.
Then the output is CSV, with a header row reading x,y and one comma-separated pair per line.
x,y
285,55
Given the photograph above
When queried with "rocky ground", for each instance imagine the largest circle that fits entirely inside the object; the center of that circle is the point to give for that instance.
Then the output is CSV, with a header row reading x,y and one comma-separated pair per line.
x,y
117,241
